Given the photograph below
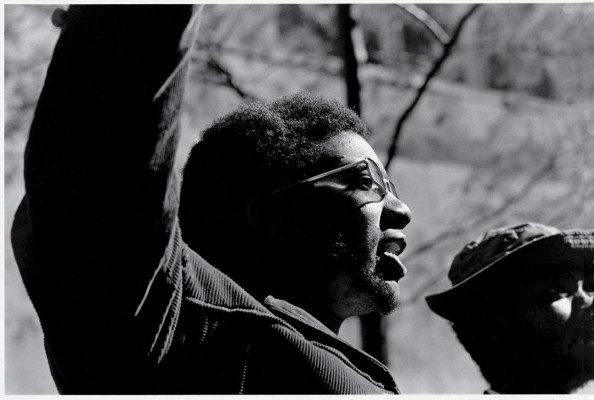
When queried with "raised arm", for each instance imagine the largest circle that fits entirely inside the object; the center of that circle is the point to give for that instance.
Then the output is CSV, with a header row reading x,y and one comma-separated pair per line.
x,y
98,163
100,197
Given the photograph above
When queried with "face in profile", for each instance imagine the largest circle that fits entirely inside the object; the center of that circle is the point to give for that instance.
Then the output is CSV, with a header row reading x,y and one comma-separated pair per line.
x,y
353,229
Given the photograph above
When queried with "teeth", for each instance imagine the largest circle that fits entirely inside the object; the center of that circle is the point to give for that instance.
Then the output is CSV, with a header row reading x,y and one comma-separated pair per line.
x,y
392,247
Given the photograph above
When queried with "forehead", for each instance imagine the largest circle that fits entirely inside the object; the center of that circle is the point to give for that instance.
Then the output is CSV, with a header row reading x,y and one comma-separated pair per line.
x,y
349,146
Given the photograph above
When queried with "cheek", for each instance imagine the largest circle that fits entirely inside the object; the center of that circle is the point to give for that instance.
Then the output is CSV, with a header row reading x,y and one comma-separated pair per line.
x,y
545,319
560,310
359,237
372,214
370,224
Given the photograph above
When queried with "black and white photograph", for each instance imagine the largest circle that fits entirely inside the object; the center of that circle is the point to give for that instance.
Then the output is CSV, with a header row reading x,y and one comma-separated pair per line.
x,y
299,199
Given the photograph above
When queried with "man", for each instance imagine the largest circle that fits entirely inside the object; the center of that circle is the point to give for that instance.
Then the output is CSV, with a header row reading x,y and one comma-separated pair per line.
x,y
521,304
294,218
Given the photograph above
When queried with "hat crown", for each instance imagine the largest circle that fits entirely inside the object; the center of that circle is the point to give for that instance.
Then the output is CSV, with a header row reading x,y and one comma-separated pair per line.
x,y
494,245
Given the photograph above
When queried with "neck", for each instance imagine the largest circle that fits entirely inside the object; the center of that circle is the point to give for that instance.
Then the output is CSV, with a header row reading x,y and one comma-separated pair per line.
x,y
331,321
317,308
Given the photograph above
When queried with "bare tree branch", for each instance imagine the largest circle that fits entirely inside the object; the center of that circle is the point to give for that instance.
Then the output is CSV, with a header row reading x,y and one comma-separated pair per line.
x,y
239,15
228,78
530,183
373,72
431,24
432,73
310,62
318,22
509,201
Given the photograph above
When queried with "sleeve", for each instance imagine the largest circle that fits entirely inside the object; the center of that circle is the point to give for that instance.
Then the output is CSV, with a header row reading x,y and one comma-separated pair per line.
x,y
101,198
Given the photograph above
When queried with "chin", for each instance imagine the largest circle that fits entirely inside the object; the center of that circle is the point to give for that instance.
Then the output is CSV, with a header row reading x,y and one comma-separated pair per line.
x,y
387,299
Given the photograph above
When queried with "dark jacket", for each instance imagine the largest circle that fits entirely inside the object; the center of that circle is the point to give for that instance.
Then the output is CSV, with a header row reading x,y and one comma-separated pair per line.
x,y
125,305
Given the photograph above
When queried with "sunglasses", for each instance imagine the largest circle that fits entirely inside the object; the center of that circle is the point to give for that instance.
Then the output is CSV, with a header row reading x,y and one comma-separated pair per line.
x,y
370,184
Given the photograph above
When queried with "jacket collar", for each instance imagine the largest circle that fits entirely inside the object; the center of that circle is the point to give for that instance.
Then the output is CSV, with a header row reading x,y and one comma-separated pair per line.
x,y
290,312
313,329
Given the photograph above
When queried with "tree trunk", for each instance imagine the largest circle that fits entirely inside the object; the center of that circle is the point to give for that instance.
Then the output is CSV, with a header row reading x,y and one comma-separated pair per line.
x,y
346,25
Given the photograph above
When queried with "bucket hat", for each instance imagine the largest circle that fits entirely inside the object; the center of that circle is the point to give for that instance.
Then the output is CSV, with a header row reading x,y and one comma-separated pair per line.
x,y
498,254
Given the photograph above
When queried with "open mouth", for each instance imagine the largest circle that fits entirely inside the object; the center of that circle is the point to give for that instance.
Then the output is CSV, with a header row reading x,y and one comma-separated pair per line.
x,y
388,265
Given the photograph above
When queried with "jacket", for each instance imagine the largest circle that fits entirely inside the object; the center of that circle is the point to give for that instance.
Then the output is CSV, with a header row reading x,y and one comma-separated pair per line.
x,y
126,307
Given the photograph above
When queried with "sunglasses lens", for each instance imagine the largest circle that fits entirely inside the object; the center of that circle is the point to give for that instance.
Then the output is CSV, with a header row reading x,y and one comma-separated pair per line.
x,y
376,174
393,189
380,179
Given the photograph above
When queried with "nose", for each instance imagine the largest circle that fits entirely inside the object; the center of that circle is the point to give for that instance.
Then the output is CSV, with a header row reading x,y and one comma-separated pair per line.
x,y
583,298
395,214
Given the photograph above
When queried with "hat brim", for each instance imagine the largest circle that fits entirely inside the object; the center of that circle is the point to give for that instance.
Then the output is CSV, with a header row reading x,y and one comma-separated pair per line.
x,y
478,288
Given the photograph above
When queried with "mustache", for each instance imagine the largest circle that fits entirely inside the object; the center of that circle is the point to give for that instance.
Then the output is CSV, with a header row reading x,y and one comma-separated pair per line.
x,y
375,234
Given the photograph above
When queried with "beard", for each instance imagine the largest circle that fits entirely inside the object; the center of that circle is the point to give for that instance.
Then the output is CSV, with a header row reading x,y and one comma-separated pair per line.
x,y
353,251
327,245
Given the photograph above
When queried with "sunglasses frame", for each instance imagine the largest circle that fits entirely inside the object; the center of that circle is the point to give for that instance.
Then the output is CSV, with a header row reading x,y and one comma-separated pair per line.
x,y
387,187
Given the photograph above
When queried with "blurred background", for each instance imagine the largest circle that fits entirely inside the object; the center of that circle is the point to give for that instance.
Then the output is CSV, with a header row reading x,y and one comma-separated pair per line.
x,y
484,115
